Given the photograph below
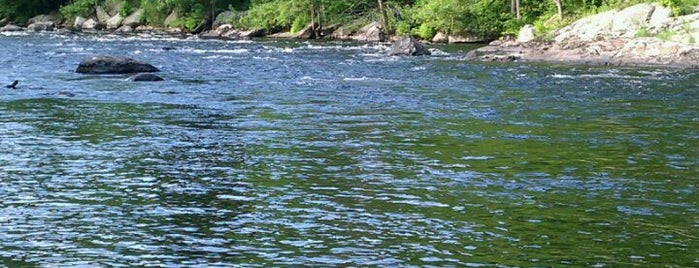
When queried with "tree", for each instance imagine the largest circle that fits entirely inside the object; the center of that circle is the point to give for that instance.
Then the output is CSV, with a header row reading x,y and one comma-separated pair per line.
x,y
559,7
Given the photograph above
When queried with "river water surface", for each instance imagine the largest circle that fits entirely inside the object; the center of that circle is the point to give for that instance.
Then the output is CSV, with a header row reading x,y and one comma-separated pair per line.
x,y
271,153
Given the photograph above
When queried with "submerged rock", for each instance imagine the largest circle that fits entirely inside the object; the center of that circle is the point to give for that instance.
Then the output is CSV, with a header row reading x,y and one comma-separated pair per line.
x,y
145,77
407,45
113,65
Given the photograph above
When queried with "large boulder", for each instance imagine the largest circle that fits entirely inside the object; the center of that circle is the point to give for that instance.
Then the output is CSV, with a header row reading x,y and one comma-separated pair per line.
x,y
440,37
113,65
54,17
79,21
465,38
91,24
372,32
11,28
134,20
43,26
526,34
628,21
587,29
661,17
114,22
102,16
124,29
406,45
145,77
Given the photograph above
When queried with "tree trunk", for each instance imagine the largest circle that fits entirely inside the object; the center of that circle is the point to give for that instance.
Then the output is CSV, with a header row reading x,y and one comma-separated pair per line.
x,y
313,19
384,15
517,8
559,7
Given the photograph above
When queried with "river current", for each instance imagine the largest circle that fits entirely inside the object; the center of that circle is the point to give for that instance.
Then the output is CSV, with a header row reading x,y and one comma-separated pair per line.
x,y
277,153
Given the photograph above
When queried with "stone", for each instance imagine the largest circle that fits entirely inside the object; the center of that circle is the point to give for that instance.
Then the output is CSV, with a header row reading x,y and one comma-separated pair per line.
x,y
43,26
54,17
135,19
145,77
372,32
145,28
660,17
79,21
457,39
113,65
407,45
252,33
114,22
627,22
440,37
124,29
11,28
526,34
102,16
91,24
588,28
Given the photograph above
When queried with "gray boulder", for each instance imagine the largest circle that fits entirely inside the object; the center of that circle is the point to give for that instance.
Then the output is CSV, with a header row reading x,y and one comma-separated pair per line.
x,y
440,37
145,77
114,22
526,34
43,26
113,65
372,32
124,29
134,20
91,24
79,21
56,18
102,16
407,45
11,28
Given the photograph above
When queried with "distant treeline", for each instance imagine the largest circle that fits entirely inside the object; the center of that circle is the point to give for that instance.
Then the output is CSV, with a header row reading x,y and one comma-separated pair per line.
x,y
423,18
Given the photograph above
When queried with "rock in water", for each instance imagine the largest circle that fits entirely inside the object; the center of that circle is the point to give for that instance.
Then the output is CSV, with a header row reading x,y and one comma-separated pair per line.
x,y
113,65
145,77
406,45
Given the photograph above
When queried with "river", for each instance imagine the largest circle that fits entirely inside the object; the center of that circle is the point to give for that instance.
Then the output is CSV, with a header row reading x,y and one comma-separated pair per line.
x,y
279,153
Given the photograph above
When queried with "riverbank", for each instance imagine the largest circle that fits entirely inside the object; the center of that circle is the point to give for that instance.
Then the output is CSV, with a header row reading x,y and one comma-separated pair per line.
x,y
640,35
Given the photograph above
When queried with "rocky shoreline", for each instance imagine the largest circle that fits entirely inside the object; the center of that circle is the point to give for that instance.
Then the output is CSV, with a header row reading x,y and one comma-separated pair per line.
x,y
640,35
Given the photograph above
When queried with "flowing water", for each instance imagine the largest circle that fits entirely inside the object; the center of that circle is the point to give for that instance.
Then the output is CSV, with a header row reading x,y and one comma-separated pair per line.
x,y
273,153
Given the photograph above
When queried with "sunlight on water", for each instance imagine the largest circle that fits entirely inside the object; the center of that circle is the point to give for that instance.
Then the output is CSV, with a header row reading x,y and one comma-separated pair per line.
x,y
275,153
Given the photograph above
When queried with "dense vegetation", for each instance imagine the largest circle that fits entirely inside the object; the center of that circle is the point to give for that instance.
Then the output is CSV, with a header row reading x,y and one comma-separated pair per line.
x,y
423,18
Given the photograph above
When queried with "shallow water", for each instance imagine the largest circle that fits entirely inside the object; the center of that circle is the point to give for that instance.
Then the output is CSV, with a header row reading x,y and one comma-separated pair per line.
x,y
274,153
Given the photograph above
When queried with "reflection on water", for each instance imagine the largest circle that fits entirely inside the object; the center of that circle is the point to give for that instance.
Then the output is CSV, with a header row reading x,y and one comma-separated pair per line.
x,y
332,154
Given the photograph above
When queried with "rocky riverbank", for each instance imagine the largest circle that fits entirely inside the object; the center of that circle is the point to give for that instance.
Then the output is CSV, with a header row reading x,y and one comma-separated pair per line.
x,y
640,35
